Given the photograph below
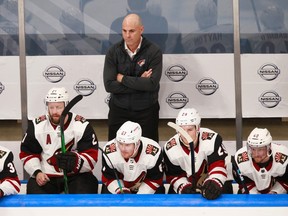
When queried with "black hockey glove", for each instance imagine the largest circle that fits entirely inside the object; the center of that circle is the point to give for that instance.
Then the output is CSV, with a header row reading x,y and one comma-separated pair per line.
x,y
124,191
211,188
69,161
1,193
186,188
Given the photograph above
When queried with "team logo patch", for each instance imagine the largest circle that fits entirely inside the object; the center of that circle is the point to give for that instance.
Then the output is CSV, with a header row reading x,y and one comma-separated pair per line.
x,y
40,119
280,158
80,118
141,62
110,148
151,149
170,144
242,157
207,136
2,153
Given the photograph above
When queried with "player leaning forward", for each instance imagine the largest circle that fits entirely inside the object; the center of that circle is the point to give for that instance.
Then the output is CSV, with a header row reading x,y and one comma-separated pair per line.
x,y
137,161
41,150
210,172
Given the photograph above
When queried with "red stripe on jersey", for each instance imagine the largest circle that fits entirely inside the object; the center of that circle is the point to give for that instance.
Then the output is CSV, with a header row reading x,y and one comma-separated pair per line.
x,y
16,186
88,160
214,168
150,183
284,184
173,179
27,157
92,153
219,163
218,172
107,181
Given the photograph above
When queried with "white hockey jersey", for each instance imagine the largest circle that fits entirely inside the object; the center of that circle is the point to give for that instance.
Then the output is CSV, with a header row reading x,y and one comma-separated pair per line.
x,y
217,39
269,43
209,159
273,176
75,45
43,140
142,174
9,181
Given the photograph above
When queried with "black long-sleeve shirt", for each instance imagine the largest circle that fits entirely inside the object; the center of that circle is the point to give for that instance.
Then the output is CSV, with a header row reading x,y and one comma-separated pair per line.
x,y
134,92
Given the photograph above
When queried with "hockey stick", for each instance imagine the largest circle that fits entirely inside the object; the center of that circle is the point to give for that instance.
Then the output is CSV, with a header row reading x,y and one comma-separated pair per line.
x,y
191,144
114,170
239,174
63,147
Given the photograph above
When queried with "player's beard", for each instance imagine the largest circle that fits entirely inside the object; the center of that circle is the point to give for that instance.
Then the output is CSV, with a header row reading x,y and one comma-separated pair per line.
x,y
55,119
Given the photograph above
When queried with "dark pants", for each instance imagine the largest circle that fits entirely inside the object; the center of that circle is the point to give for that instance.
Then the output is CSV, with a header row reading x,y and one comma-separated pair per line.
x,y
84,183
228,187
148,120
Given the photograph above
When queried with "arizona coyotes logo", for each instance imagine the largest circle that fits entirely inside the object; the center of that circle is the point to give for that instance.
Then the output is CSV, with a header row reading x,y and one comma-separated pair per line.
x,y
40,119
201,174
80,118
52,160
280,158
110,148
151,150
141,62
69,145
134,185
242,157
170,144
207,136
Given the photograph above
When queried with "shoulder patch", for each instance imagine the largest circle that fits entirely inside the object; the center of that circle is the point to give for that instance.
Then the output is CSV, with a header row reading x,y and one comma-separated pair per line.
x,y
207,136
40,119
151,149
80,118
110,148
2,153
170,144
280,157
242,157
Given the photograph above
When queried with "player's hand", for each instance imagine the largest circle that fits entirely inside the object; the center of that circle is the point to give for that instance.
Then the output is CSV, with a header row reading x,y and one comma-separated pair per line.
x,y
124,191
211,189
41,178
69,161
186,188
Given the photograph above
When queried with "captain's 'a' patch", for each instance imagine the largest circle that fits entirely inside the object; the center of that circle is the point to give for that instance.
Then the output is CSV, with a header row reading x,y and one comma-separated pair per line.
x,y
151,149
